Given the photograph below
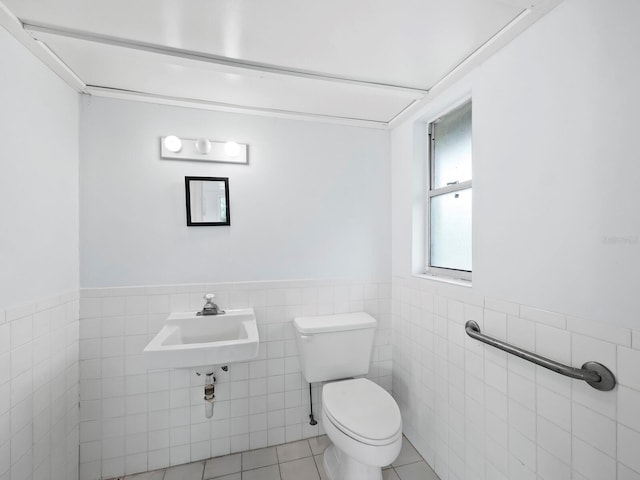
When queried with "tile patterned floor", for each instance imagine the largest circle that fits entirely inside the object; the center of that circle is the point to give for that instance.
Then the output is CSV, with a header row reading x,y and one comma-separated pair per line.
x,y
300,460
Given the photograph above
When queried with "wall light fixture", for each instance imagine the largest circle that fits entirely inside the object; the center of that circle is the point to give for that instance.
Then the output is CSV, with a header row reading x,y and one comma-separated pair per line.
x,y
232,149
203,146
172,143
203,149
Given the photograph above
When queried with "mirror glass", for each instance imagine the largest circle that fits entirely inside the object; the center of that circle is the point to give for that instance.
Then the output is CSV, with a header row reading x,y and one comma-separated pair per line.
x,y
207,201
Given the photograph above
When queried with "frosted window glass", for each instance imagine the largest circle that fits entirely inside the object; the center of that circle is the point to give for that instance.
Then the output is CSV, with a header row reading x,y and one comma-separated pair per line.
x,y
452,147
451,230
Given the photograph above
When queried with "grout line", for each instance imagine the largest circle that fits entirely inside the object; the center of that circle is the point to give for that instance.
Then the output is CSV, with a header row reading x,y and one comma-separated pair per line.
x,y
277,456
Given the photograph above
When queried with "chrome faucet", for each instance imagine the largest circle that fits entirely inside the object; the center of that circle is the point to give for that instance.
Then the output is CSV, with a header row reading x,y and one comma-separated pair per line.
x,y
210,308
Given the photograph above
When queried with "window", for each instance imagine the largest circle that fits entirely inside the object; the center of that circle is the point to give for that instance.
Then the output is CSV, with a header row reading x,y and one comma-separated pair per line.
x,y
449,197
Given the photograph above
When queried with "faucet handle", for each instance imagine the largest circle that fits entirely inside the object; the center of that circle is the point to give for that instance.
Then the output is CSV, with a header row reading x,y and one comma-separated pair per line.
x,y
210,308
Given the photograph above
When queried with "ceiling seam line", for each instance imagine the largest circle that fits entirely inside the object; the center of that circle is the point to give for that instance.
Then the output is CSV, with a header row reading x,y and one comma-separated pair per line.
x,y
15,27
461,66
482,47
234,107
81,83
401,112
35,28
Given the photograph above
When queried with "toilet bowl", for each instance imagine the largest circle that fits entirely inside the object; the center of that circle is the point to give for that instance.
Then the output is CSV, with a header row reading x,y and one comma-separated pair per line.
x,y
364,425
361,419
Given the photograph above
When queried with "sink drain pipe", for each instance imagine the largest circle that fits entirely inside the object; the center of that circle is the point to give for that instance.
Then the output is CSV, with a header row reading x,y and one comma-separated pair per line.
x,y
209,394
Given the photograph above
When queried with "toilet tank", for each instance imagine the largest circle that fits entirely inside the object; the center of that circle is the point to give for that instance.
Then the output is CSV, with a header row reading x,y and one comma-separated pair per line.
x,y
335,346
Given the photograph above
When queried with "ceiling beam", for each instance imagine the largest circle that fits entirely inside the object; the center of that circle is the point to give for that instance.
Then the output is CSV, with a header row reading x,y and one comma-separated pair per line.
x,y
100,91
262,68
515,27
15,27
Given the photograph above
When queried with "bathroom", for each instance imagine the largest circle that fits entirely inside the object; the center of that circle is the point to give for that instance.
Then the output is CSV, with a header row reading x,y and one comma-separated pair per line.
x,y
327,218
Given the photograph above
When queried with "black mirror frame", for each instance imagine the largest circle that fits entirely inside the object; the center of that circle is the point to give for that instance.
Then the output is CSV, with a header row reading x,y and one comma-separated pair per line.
x,y
190,222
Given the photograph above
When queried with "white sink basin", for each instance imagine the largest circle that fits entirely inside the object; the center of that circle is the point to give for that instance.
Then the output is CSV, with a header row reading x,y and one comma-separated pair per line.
x,y
203,342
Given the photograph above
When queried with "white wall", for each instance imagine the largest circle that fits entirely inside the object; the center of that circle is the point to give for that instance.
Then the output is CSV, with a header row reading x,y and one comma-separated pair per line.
x,y
556,253
555,171
312,203
39,179
39,369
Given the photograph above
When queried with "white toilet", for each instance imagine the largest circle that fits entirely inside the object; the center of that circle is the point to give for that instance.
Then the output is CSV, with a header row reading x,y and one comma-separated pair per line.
x,y
361,419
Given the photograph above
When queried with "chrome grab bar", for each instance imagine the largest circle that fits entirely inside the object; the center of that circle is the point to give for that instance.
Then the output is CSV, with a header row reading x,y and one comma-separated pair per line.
x,y
594,373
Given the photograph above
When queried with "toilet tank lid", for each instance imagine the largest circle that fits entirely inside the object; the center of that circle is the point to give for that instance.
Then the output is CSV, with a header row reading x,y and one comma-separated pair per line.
x,y
334,323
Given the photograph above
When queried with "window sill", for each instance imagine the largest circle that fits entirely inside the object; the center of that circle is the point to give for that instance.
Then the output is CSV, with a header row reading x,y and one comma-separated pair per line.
x,y
440,278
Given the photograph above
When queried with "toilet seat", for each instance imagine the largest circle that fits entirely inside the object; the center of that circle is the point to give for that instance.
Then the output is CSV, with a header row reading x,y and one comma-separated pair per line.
x,y
362,410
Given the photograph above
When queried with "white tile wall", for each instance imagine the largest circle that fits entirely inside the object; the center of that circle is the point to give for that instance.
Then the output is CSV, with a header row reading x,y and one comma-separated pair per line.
x,y
39,390
134,419
476,413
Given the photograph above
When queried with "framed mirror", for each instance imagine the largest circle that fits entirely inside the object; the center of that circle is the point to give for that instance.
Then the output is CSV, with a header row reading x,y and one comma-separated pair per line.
x,y
207,201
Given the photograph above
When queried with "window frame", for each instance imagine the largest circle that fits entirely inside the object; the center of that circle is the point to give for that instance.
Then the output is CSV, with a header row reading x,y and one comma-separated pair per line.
x,y
435,192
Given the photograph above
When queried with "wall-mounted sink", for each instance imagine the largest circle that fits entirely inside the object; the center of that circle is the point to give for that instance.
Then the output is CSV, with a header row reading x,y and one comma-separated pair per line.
x,y
203,342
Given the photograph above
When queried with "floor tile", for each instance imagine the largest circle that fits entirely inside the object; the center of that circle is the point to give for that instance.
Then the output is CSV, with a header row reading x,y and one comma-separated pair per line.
x,y
416,471
302,469
390,474
319,459
220,466
301,460
188,471
265,473
293,451
408,454
259,458
319,444
155,475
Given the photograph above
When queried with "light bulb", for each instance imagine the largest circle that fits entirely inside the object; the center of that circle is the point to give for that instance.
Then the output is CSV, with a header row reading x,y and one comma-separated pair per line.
x,y
203,146
172,143
232,149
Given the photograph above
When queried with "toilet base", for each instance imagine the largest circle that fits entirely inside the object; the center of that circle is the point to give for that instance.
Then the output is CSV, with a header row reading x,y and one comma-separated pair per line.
x,y
340,466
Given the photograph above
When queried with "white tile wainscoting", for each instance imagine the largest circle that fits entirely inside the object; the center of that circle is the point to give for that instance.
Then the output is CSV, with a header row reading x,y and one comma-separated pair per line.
x,y
39,390
134,420
474,412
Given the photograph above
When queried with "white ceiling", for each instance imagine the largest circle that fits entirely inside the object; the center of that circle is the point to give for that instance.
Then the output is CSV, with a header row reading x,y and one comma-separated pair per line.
x,y
359,60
